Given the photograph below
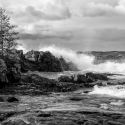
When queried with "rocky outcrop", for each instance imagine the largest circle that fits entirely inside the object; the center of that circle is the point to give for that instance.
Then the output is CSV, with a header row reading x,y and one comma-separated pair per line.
x,y
16,61
45,62
83,78
49,63
32,84
41,61
9,72
10,68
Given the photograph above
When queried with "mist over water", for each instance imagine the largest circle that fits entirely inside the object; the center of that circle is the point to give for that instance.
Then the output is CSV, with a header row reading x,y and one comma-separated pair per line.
x,y
85,62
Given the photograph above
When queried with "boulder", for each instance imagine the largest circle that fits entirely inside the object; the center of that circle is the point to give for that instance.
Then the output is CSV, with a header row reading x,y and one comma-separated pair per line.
x,y
81,78
44,114
76,98
12,99
50,63
86,79
65,78
96,76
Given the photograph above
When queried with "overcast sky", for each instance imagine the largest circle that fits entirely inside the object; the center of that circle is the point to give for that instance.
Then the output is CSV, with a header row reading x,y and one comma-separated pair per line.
x,y
76,24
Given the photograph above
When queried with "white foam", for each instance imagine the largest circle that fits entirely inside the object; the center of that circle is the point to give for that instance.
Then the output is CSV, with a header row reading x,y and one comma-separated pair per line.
x,y
85,62
82,61
115,91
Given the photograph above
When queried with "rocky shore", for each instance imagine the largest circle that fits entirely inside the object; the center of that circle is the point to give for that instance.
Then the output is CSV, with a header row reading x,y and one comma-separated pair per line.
x,y
29,96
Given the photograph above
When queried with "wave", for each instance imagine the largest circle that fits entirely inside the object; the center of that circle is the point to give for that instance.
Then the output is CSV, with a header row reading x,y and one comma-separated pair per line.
x,y
85,62
115,91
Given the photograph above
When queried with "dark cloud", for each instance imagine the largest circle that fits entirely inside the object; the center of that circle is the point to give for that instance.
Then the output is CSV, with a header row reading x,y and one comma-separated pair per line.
x,y
45,36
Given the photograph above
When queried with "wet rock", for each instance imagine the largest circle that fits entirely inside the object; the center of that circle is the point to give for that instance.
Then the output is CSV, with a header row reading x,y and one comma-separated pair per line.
x,y
45,61
96,76
86,92
15,122
75,98
6,115
41,61
44,114
1,99
12,99
84,79
81,78
50,63
66,79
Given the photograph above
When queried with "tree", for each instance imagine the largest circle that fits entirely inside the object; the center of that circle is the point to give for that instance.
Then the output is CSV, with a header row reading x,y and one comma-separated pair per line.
x,y
8,35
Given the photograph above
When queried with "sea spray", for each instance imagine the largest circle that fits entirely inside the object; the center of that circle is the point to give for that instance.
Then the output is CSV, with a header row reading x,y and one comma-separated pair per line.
x,y
82,61
85,62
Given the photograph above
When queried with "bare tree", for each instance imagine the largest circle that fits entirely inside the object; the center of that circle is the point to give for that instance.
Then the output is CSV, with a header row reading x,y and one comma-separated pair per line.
x,y
8,36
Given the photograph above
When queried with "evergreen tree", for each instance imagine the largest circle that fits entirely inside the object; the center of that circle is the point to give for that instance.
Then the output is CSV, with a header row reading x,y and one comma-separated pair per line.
x,y
8,36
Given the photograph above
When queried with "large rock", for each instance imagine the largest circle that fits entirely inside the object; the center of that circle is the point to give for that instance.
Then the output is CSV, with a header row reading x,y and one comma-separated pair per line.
x,y
84,78
12,99
41,61
50,63
46,62
10,68
65,78
96,76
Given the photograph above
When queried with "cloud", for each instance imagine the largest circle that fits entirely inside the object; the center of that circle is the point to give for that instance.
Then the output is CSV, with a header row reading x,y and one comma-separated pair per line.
x,y
77,24
100,9
94,10
55,10
110,35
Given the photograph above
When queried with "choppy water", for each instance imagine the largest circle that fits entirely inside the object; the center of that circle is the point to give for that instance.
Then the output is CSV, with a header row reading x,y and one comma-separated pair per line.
x,y
115,91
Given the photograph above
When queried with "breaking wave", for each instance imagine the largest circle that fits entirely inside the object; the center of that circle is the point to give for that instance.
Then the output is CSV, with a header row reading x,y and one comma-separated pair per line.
x,y
115,91
85,62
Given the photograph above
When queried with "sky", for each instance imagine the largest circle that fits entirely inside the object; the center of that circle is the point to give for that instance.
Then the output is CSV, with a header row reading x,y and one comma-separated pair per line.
x,y
81,25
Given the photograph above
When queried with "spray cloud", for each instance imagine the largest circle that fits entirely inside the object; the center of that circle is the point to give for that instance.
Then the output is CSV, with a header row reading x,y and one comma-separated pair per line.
x,y
84,61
